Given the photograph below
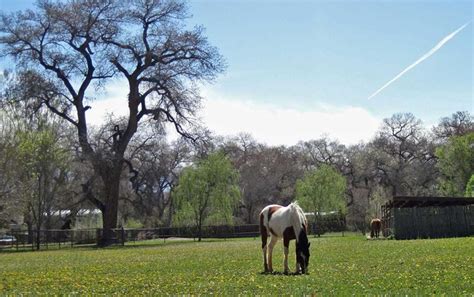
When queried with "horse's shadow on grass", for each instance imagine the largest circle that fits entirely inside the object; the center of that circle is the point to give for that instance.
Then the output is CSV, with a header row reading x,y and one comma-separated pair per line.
x,y
283,273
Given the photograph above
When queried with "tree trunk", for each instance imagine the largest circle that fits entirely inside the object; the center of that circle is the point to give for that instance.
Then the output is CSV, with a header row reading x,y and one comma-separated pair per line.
x,y
38,238
29,226
170,213
110,211
39,217
200,228
318,219
249,214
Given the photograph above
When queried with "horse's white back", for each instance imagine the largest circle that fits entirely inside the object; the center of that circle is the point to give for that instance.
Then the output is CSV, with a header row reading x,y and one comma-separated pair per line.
x,y
282,218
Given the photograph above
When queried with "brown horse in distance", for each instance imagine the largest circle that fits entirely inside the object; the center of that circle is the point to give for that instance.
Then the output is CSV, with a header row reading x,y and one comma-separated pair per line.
x,y
375,226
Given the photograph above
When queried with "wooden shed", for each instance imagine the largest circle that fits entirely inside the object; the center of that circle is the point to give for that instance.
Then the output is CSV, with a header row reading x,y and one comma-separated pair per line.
x,y
408,217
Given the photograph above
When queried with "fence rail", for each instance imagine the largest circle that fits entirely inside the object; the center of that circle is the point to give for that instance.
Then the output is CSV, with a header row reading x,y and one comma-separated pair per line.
x,y
82,237
22,239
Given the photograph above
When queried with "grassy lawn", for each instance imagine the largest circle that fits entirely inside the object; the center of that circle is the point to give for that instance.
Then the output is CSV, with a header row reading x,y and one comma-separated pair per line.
x,y
338,266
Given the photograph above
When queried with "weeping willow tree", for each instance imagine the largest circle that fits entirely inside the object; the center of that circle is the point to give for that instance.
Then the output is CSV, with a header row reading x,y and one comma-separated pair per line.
x,y
207,193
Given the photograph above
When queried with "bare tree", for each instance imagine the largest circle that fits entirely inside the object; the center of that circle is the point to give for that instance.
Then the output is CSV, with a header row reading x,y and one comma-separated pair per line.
x,y
315,153
402,156
158,165
267,174
75,45
460,123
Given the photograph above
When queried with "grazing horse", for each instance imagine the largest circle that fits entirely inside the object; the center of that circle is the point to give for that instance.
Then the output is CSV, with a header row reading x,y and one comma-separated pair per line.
x,y
288,223
375,226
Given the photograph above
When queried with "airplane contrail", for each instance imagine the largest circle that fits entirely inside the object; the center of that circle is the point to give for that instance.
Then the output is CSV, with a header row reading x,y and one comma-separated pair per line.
x,y
422,58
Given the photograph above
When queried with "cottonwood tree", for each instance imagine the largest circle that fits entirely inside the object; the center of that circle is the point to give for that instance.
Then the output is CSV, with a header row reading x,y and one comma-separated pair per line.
x,y
158,165
207,192
456,163
70,47
361,182
35,158
322,190
43,165
460,123
9,208
470,187
314,153
248,158
267,174
402,156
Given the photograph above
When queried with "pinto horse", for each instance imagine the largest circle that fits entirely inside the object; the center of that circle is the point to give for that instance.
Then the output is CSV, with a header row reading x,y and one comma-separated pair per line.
x,y
288,223
375,226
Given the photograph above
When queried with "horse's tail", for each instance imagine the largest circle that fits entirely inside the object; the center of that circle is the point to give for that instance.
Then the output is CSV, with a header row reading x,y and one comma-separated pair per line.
x,y
264,218
263,230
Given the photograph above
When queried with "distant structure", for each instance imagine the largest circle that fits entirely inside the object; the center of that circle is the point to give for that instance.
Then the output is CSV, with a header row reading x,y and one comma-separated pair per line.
x,y
407,217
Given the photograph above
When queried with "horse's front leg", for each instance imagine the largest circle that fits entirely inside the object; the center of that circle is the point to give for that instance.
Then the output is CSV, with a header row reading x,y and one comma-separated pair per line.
x,y
286,244
298,264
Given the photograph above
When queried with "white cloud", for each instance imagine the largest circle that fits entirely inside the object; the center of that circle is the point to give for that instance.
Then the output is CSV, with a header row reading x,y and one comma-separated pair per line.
x,y
286,126
114,102
273,125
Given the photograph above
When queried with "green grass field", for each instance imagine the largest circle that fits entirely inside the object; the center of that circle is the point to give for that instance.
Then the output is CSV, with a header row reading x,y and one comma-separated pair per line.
x,y
338,266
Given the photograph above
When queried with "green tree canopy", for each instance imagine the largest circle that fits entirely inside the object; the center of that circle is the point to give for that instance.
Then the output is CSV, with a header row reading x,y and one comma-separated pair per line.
x,y
470,187
207,192
456,163
322,190
42,165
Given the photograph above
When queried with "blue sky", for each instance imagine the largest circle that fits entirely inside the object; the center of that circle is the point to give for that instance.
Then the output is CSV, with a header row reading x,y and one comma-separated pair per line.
x,y
319,61
300,53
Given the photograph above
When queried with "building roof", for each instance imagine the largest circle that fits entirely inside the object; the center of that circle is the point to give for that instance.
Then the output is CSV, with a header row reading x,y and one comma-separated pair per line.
x,y
81,212
419,201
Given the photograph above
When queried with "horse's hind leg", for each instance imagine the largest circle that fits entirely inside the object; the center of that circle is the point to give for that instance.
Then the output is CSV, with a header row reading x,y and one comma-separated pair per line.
x,y
273,241
264,236
264,251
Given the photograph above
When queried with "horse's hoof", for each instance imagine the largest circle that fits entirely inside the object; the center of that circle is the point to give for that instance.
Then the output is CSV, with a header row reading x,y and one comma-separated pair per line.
x,y
286,272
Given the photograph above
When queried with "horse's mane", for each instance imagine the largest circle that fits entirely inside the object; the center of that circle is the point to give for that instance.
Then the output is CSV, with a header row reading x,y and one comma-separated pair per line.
x,y
298,219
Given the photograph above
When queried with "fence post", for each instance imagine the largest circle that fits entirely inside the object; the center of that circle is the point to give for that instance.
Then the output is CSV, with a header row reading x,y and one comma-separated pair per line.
x,y
97,236
122,231
344,226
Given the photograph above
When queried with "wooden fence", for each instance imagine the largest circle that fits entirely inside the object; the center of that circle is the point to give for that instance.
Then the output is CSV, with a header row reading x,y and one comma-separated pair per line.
x,y
82,237
70,238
